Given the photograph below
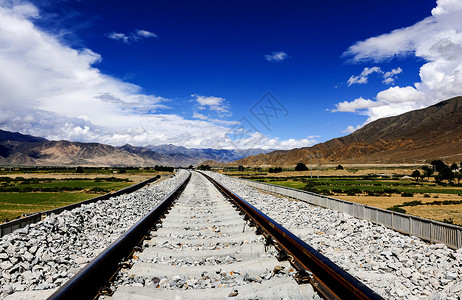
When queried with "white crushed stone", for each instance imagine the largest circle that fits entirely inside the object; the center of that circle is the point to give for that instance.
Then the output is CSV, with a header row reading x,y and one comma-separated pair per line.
x,y
394,265
46,254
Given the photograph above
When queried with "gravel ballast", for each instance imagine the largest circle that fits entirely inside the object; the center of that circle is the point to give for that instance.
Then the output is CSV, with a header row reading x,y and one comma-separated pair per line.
x,y
394,265
46,254
204,249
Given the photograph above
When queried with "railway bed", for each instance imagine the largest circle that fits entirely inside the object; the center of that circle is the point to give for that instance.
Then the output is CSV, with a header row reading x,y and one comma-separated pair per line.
x,y
203,247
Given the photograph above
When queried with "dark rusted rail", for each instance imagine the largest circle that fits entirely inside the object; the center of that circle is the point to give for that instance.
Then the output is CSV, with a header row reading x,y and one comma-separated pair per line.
x,y
87,283
326,277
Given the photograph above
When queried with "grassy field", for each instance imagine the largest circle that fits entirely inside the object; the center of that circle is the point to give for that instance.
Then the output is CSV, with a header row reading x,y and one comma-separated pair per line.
x,y
98,185
13,205
326,185
424,198
26,192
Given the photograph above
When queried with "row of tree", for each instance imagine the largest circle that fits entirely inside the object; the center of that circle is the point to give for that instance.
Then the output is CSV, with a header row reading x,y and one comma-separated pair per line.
x,y
275,170
445,172
204,168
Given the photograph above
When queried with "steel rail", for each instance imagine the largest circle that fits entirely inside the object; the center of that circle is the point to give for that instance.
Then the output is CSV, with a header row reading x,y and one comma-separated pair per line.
x,y
87,282
331,281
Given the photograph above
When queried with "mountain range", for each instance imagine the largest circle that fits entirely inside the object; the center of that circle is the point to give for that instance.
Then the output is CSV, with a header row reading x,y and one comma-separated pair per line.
x,y
418,136
17,149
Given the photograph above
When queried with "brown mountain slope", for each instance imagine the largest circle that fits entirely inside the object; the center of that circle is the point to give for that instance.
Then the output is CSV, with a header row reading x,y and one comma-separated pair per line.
x,y
17,149
62,153
212,163
422,135
52,153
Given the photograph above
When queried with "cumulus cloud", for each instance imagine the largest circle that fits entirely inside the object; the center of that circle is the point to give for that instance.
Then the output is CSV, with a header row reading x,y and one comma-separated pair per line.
x,y
133,36
276,56
276,143
362,78
351,129
390,76
216,104
255,139
437,40
65,96
355,105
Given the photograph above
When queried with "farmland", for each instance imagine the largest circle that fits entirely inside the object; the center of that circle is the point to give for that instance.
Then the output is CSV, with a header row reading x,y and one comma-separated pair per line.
x,y
24,192
424,198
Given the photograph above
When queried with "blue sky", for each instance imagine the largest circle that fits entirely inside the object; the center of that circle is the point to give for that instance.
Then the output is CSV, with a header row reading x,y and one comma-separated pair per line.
x,y
190,72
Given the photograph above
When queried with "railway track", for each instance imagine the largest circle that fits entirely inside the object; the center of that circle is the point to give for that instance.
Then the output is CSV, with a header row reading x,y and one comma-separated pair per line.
x,y
210,244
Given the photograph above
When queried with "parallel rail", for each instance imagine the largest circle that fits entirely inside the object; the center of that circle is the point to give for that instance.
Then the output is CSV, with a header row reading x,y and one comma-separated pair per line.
x,y
326,277
87,283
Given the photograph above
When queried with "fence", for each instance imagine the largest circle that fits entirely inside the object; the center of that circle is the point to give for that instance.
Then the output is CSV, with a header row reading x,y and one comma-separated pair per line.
x,y
428,230
36,217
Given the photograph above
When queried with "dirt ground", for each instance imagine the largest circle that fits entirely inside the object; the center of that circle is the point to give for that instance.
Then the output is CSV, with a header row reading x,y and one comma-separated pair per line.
x,y
437,212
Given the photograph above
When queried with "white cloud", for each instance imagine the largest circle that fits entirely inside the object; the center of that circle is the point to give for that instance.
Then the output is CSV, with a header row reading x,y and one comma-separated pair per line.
x,y
438,41
133,36
362,78
26,10
390,76
445,7
367,71
258,140
209,101
64,96
216,104
355,105
276,56
276,143
199,116
390,102
145,34
351,129
400,95
49,89
118,36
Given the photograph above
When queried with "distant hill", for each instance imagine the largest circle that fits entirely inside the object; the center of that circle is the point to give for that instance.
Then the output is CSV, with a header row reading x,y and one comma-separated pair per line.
x,y
421,135
218,155
212,163
17,149
18,137
65,153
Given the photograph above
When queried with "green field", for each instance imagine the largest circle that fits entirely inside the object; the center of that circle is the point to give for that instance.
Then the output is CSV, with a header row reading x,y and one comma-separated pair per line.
x,y
19,196
406,196
345,185
62,185
13,205
87,170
